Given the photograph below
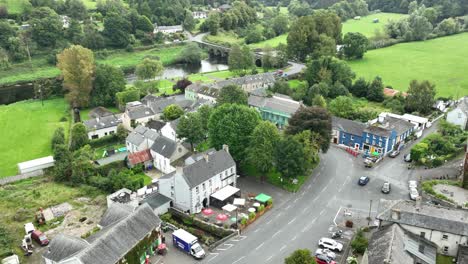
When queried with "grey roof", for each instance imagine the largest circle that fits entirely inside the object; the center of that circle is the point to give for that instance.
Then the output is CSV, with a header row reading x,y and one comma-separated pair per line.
x,y
135,138
155,200
463,105
159,105
99,112
176,27
139,111
149,98
379,131
115,213
348,126
279,103
462,256
103,122
109,245
202,170
140,133
205,89
63,246
399,125
198,156
175,123
164,146
155,125
449,220
388,244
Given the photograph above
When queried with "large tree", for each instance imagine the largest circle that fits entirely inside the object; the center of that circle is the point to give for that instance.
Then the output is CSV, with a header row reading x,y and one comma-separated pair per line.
x,y
355,45
63,159
82,167
191,54
189,22
212,23
108,82
172,112
149,69
205,113
117,30
76,9
79,136
77,66
232,124
376,90
46,27
315,119
232,94
420,97
290,158
300,256
190,128
329,70
342,106
359,88
262,146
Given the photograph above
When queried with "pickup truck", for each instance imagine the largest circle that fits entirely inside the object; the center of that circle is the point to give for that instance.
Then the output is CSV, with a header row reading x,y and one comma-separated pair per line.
x,y
187,243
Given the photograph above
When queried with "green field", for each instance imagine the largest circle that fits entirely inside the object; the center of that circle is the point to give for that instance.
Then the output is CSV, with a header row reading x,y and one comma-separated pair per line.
x,y
441,61
15,6
90,4
41,69
366,26
273,42
27,129
225,38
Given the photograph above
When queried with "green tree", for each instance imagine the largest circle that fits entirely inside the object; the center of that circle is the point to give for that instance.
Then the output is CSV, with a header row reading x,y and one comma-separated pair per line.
x,y
128,95
268,59
62,168
420,97
319,101
359,243
375,92
330,71
419,151
355,45
232,124
300,256
74,32
360,88
189,22
235,61
190,128
59,137
144,24
108,82
79,136
290,158
420,27
205,112
281,55
121,133
82,167
280,24
7,32
172,112
262,146
342,106
232,94
315,119
191,54
46,27
117,30
76,9
254,35
212,22
92,38
77,66
448,26
247,58
149,69
309,147
4,60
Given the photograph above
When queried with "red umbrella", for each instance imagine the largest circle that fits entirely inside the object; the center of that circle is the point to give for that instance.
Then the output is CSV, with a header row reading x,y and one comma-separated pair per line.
x,y
222,217
207,211
162,246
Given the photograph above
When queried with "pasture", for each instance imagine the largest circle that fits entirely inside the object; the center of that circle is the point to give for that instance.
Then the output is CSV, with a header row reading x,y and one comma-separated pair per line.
x,y
366,26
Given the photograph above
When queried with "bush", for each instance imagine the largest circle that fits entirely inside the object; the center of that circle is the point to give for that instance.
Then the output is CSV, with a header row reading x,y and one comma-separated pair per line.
x,y
359,243
261,208
63,119
252,215
349,223
243,221
103,141
269,202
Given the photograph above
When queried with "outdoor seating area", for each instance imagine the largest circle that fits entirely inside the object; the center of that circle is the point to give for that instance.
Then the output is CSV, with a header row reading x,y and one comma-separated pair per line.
x,y
235,210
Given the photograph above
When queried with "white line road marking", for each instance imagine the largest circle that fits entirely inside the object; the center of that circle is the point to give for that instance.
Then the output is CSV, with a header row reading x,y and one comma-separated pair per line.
x,y
240,238
304,210
215,255
287,207
321,212
277,232
269,258
283,247
336,216
225,244
295,200
238,260
342,185
294,238
340,189
315,199
269,221
256,230
302,194
259,246
290,222
310,186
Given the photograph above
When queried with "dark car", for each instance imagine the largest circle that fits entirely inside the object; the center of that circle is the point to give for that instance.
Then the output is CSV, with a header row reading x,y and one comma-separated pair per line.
x,y
363,180
394,153
40,238
386,187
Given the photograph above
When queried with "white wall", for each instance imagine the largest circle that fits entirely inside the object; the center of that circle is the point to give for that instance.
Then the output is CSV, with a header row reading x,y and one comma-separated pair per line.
x,y
457,117
126,121
169,132
182,193
162,163
162,209
102,132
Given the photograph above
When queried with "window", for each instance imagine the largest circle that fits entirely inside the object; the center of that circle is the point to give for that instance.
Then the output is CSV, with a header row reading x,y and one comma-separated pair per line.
x,y
210,182
423,234
445,249
232,170
367,141
344,136
196,189
421,248
444,237
352,137
203,186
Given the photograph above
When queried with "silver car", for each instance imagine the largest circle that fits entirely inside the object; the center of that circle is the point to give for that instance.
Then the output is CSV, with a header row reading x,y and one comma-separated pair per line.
x,y
325,251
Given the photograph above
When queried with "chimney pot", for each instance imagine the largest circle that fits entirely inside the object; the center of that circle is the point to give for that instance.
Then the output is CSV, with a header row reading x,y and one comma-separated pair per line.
x,y
206,157
226,148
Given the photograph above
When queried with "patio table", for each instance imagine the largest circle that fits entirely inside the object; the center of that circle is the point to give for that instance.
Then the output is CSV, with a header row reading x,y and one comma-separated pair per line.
x,y
252,210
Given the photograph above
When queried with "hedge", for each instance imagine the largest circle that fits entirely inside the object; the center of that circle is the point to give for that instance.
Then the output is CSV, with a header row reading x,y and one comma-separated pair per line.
x,y
100,142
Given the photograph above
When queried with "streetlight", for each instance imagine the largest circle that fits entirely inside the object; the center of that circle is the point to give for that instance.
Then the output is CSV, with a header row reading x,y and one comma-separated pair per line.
x,y
370,208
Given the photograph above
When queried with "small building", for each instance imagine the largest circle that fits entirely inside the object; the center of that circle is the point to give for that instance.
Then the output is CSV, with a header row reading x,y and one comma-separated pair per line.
x,y
141,138
136,114
440,105
141,157
459,115
158,104
390,92
36,165
168,29
122,196
99,112
156,125
128,235
158,202
224,7
165,152
191,186
445,227
199,14
276,109
102,126
169,130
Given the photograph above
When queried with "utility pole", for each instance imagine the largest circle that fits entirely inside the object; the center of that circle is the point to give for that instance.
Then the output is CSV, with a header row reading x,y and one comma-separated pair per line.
x,y
370,209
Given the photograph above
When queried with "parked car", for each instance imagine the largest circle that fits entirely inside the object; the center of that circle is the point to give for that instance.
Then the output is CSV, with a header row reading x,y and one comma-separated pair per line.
x,y
325,251
29,228
330,244
394,153
363,180
40,238
413,194
323,259
407,158
412,185
386,187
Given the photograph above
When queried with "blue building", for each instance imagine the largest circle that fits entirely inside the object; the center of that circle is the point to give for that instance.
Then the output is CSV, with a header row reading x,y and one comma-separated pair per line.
x,y
381,135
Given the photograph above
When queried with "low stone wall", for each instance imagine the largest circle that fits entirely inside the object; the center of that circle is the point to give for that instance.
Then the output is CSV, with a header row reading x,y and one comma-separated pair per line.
x,y
20,177
207,227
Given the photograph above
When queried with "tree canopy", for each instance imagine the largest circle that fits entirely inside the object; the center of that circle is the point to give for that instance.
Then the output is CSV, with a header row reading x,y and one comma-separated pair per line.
x,y
172,112
300,256
420,97
262,146
108,82
191,129
355,45
232,94
149,69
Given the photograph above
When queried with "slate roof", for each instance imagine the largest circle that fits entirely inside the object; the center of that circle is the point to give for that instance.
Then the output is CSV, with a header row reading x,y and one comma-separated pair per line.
x,y
462,256
103,122
164,146
379,131
155,124
63,246
388,244
399,125
155,200
140,133
115,213
174,123
158,106
202,170
432,217
99,112
348,126
139,111
463,105
176,27
196,157
140,157
279,103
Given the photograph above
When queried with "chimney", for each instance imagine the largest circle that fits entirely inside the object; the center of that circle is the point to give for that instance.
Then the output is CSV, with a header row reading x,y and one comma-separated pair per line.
x,y
395,214
179,170
226,148
206,157
418,203
97,119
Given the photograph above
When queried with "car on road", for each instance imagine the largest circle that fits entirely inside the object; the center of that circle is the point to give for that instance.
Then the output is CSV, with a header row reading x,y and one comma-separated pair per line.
x,y
330,244
386,187
413,194
394,153
325,251
39,237
323,259
363,180
412,185
407,157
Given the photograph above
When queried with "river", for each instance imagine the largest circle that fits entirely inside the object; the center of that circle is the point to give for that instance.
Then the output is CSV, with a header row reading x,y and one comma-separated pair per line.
x,y
18,92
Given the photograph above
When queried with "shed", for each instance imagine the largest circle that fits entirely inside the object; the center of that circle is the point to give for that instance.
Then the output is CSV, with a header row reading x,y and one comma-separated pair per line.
x,y
11,260
158,202
35,165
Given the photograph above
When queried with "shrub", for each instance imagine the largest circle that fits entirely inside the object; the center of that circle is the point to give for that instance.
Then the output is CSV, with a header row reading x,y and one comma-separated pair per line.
x,y
252,215
349,223
261,208
243,221
359,243
63,119
269,202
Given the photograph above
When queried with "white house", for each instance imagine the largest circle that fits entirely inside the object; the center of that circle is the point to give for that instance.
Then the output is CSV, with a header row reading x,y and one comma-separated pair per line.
x,y
140,139
136,114
199,14
168,29
191,187
164,152
169,130
459,115
446,227
102,126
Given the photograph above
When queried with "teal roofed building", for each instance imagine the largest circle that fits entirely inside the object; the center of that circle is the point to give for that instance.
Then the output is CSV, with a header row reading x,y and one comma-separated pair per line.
x,y
276,109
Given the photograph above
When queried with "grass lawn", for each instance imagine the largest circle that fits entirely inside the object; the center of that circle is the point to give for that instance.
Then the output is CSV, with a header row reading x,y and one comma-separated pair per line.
x,y
441,259
146,179
221,74
15,6
283,9
225,37
295,83
441,61
197,26
366,26
27,129
123,59
165,86
99,152
199,77
273,42
21,200
90,4
84,113
362,103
